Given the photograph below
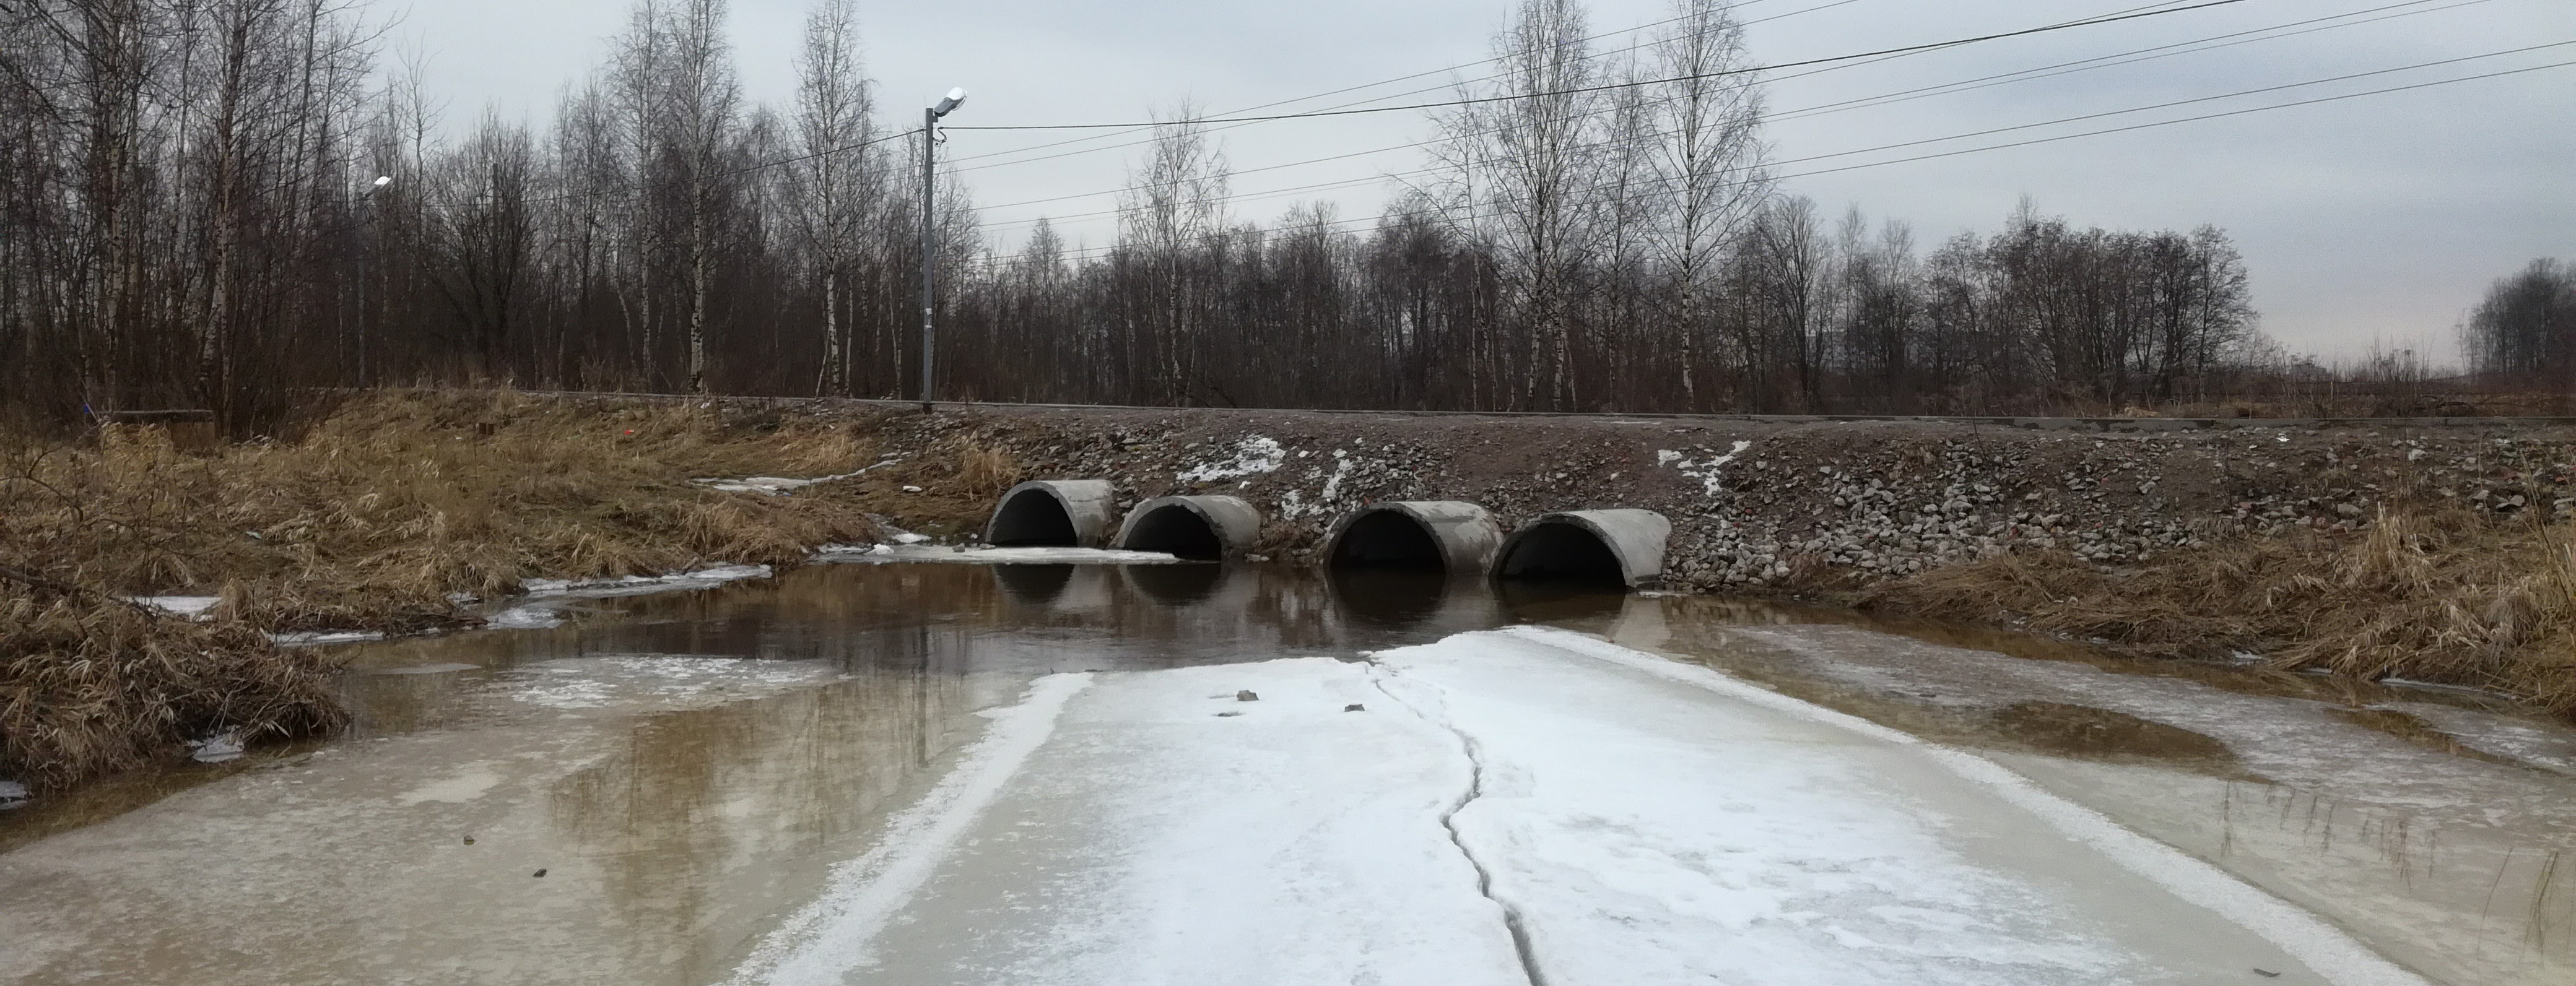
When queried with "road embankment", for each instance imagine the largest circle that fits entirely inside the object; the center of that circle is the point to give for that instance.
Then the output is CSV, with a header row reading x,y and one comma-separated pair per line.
x,y
2436,551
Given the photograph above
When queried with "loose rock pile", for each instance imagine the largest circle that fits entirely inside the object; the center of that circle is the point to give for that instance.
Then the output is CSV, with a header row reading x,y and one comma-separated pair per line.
x,y
1790,506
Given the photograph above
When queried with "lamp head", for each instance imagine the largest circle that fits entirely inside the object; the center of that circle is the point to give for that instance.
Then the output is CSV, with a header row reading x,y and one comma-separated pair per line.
x,y
956,98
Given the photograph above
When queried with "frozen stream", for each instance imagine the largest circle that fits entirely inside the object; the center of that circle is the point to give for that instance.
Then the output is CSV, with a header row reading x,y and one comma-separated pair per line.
x,y
939,773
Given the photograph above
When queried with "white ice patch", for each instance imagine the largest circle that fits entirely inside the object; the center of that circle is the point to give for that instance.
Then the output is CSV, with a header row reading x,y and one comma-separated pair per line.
x,y
317,638
1706,471
654,679
2303,936
217,748
780,485
463,786
12,794
1001,556
700,579
1253,456
837,932
192,607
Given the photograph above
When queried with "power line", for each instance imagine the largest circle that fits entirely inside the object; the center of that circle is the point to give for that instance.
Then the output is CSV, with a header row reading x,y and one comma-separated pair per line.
x,y
1092,252
1580,90
1588,113
1412,92
1959,136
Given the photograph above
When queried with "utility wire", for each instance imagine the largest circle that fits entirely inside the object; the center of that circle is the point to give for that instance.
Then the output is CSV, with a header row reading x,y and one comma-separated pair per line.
x,y
1091,252
1272,193
1373,99
1908,49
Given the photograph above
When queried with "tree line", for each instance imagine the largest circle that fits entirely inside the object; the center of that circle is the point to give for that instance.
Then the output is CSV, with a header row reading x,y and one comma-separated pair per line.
x,y
227,203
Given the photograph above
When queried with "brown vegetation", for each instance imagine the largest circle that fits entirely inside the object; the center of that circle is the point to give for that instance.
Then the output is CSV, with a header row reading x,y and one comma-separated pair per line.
x,y
2433,595
371,519
90,686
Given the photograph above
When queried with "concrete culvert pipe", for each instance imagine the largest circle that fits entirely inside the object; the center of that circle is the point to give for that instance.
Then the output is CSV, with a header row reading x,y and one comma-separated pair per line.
x,y
1618,548
1424,535
1198,528
1053,513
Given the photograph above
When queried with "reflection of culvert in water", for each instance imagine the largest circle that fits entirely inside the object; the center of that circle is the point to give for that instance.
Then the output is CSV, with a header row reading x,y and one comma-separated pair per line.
x,y
1395,598
1557,602
1035,585
1176,585
2089,733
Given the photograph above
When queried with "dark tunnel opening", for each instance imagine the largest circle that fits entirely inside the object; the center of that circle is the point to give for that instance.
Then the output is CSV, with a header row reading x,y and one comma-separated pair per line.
x,y
1034,518
1389,539
1563,553
1177,531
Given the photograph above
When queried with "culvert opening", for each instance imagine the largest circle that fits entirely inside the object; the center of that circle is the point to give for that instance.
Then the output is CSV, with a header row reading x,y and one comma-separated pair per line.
x,y
1563,553
1388,539
1177,531
1034,519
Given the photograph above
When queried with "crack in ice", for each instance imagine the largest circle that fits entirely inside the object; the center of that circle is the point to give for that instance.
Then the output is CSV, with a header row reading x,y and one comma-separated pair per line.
x,y
1467,747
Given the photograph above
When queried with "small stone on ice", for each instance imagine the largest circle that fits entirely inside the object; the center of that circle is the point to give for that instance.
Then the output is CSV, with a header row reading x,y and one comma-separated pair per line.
x,y
1222,715
469,840
1246,696
539,872
1355,707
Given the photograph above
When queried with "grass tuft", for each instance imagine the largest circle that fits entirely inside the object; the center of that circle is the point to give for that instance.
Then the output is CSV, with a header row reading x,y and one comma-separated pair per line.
x,y
2442,595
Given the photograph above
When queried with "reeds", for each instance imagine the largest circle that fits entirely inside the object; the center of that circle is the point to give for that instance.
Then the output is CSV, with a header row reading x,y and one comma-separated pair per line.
x,y
373,519
91,686
2431,594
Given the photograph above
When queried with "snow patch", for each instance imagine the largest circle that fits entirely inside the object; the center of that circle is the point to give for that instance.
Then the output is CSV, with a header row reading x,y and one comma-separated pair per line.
x,y
1704,470
836,933
192,607
12,794
1000,556
780,485
1253,456
700,579
317,638
2302,935
217,748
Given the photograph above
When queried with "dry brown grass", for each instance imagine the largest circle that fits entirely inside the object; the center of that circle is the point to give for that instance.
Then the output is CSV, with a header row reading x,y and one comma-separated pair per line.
x,y
986,472
369,520
380,511
91,686
2433,595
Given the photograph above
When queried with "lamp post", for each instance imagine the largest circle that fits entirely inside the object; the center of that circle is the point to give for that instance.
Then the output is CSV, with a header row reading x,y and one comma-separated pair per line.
x,y
929,207
367,202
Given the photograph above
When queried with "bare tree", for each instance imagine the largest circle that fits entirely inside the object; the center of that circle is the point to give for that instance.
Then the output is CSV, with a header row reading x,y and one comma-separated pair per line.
x,y
1521,171
1169,217
838,180
1706,160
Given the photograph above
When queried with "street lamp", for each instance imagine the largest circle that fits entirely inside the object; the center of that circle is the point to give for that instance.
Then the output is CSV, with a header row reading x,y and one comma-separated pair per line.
x,y
929,205
367,202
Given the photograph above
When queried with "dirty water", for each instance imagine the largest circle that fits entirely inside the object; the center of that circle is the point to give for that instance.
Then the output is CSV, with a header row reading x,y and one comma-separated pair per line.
x,y
683,769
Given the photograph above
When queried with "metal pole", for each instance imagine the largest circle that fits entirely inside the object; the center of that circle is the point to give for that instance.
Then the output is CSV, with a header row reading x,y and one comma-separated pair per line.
x,y
929,203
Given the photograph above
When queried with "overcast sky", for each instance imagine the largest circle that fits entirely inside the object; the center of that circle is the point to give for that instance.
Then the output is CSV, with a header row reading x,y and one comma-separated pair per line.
x,y
2377,219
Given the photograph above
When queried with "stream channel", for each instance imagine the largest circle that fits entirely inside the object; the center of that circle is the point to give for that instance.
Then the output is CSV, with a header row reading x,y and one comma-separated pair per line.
x,y
685,768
